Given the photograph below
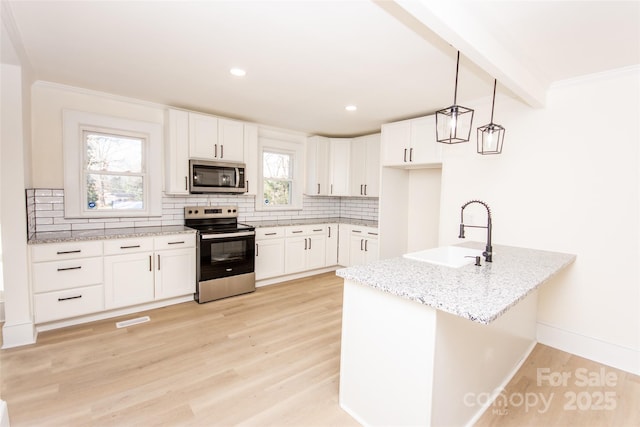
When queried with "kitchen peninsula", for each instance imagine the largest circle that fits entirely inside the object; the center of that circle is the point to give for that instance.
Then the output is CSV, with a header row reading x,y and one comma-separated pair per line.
x,y
421,343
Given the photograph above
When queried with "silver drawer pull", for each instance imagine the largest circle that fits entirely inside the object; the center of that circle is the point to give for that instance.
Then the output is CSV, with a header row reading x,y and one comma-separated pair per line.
x,y
372,234
270,234
356,231
175,243
70,268
297,231
68,298
319,229
228,269
129,247
77,251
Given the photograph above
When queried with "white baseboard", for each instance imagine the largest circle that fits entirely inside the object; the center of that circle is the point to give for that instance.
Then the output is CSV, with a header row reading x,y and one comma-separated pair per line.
x,y
17,335
4,414
280,279
623,358
112,313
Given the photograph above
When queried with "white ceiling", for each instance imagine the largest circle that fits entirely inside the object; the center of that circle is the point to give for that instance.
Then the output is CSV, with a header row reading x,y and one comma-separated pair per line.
x,y
306,60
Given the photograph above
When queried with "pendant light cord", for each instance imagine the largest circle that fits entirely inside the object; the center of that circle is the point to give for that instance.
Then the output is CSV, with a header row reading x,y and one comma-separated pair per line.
x,y
493,103
455,91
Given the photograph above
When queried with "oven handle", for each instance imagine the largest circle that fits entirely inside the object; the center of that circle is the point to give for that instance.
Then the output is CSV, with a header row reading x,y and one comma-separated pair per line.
x,y
225,235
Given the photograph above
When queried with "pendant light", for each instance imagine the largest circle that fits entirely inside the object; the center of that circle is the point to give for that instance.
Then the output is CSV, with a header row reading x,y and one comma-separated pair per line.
x,y
491,136
453,124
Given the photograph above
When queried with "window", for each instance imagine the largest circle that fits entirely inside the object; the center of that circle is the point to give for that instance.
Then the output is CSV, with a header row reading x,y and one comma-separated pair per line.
x,y
281,174
112,166
114,172
277,179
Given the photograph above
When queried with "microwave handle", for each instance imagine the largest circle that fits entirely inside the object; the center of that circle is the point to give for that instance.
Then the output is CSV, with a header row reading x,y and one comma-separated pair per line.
x,y
238,185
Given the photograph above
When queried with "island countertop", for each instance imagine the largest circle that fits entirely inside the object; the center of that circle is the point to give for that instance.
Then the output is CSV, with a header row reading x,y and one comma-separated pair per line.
x,y
478,293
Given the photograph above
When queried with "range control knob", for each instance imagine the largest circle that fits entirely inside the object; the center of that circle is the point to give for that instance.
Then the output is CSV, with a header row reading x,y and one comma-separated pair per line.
x,y
196,211
190,211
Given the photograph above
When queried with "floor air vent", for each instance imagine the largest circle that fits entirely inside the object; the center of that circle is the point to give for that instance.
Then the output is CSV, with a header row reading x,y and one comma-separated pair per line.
x,y
132,322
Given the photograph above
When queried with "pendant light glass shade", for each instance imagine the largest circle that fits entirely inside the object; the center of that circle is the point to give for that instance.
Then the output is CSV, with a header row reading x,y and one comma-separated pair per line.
x,y
491,136
453,124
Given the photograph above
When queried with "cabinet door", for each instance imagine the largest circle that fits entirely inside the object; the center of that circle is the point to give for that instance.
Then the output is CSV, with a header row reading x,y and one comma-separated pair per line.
x,y
356,249
372,166
370,250
251,158
317,166
339,166
316,252
344,243
295,253
129,279
177,152
230,141
331,256
395,142
203,136
358,166
175,273
424,147
269,258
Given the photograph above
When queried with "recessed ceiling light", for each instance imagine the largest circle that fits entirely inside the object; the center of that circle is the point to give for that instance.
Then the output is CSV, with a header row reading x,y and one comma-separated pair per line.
x,y
351,108
238,72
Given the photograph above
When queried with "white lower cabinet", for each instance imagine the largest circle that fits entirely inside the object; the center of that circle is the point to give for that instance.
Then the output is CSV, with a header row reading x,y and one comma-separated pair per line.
x,y
135,275
128,279
67,280
331,257
359,245
79,278
175,273
305,248
295,249
269,252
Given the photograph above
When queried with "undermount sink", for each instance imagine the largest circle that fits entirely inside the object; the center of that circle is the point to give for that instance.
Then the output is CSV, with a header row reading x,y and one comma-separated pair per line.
x,y
449,256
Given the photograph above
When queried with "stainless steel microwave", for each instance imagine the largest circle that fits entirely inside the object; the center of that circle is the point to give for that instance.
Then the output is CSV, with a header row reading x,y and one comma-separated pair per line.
x,y
216,177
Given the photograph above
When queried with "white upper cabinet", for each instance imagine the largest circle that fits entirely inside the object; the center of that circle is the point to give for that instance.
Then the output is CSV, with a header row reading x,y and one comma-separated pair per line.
x,y
251,158
177,152
327,166
411,143
339,165
212,138
365,166
317,182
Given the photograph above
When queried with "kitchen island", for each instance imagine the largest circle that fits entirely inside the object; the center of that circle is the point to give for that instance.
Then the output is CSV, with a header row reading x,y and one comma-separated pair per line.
x,y
425,344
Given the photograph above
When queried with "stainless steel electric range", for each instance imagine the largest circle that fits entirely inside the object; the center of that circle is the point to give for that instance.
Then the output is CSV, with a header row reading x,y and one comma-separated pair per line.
x,y
225,252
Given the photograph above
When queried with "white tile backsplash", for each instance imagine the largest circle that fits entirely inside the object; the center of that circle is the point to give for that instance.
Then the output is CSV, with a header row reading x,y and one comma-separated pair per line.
x,y
45,211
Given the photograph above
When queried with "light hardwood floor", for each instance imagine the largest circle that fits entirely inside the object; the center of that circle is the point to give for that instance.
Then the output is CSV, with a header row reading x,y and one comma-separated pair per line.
x,y
266,358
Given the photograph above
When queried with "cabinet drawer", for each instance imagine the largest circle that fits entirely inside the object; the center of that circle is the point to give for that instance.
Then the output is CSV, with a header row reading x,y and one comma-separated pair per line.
x,y
269,233
175,241
68,303
58,251
58,275
128,246
306,230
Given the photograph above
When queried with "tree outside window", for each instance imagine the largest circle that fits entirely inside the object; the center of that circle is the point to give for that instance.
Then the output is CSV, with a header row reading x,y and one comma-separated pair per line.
x,y
277,169
114,172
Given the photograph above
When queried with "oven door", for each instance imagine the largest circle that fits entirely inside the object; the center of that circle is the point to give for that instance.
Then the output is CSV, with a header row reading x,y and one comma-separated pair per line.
x,y
226,254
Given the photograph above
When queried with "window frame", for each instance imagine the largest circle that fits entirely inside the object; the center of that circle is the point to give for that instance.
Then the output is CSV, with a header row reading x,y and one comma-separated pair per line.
x,y
296,151
75,125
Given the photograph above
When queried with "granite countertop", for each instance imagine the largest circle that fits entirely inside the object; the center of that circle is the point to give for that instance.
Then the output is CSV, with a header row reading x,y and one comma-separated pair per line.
x,y
306,221
107,233
480,294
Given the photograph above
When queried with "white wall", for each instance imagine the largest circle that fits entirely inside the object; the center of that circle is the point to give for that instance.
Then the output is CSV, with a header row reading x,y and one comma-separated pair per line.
x,y
18,327
567,181
48,100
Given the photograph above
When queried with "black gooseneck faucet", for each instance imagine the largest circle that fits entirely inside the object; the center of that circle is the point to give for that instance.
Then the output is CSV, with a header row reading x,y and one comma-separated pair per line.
x,y
488,253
